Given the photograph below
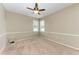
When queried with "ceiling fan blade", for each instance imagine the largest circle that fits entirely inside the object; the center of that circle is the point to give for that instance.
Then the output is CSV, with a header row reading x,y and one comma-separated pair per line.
x,y
30,8
42,10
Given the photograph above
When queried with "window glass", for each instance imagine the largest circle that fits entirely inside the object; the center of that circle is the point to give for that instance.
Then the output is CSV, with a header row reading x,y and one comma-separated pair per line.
x,y
35,25
42,26
38,25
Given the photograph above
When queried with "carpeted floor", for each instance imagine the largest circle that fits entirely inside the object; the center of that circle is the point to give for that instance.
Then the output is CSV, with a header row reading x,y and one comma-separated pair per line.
x,y
37,46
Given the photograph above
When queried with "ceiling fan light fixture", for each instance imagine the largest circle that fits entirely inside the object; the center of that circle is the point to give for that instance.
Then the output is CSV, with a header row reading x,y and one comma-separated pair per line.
x,y
36,11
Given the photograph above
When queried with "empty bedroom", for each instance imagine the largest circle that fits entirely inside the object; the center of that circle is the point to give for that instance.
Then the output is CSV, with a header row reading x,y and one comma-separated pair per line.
x,y
39,28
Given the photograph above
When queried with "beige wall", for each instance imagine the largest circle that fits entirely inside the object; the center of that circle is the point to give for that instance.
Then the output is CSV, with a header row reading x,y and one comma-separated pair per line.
x,y
18,23
19,26
2,27
63,26
65,21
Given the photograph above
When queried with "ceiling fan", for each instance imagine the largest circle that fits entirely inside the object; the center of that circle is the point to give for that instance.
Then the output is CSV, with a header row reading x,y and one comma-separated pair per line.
x,y
36,10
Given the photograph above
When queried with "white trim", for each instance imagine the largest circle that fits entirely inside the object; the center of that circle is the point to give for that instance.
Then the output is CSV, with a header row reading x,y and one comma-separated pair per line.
x,y
14,33
63,44
62,33
18,32
3,34
60,42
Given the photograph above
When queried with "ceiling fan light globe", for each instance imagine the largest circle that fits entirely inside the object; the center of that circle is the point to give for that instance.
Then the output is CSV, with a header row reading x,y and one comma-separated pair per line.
x,y
36,12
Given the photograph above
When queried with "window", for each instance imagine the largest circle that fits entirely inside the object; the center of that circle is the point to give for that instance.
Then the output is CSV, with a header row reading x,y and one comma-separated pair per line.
x,y
38,25
42,26
35,25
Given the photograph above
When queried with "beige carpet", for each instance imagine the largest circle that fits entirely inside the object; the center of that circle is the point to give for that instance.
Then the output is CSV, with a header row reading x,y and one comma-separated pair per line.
x,y
37,46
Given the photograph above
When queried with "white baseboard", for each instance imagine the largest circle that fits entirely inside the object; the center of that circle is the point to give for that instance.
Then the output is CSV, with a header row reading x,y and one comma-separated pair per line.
x,y
60,36
3,34
19,32
63,44
20,35
62,33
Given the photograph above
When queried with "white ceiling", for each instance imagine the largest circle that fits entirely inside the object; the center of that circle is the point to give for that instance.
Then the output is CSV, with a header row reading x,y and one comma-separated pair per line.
x,y
21,8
